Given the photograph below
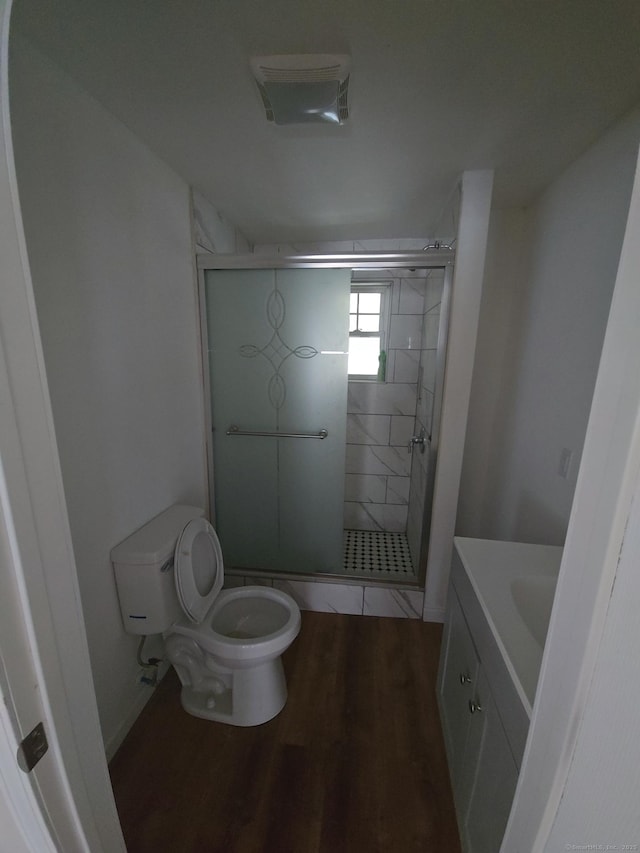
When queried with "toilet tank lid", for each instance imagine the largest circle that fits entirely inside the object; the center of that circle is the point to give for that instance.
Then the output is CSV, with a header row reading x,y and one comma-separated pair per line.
x,y
155,542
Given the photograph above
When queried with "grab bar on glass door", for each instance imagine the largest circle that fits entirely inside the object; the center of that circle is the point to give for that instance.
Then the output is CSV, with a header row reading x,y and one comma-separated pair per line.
x,y
235,430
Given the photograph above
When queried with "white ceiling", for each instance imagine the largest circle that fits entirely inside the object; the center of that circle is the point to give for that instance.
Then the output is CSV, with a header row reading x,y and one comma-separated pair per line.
x,y
437,86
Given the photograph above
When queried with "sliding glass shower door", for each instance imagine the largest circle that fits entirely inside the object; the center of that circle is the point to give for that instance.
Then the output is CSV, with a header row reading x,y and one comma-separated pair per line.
x,y
278,342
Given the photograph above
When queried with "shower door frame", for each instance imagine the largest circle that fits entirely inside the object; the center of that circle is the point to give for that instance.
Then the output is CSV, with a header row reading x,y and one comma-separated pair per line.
x,y
357,262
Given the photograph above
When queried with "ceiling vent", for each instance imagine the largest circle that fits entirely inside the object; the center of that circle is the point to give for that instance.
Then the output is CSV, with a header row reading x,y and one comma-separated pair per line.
x,y
304,88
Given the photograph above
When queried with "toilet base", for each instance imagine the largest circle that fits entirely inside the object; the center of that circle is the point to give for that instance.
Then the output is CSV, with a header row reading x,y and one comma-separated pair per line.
x,y
250,696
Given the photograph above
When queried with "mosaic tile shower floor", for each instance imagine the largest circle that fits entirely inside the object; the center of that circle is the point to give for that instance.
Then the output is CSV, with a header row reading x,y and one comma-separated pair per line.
x,y
376,554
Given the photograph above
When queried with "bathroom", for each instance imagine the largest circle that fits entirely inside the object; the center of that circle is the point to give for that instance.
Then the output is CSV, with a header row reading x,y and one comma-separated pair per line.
x,y
549,275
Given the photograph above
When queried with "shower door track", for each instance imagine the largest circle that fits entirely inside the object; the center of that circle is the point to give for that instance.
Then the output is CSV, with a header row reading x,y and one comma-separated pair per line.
x,y
437,258
433,259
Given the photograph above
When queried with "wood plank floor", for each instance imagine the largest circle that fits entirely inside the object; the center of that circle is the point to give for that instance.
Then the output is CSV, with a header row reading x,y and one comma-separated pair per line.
x,y
355,761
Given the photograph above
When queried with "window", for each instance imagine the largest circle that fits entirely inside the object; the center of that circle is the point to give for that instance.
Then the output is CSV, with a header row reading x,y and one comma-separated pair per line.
x,y
368,322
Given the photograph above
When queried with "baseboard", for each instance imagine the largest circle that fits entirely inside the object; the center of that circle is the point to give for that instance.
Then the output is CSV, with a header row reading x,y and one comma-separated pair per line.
x,y
114,743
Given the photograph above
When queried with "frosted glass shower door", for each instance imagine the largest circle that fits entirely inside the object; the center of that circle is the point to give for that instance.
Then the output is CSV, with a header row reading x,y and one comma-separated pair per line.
x,y
278,342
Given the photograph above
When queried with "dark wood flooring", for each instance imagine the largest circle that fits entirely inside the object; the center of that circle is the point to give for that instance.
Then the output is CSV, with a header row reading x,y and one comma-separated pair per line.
x,y
355,761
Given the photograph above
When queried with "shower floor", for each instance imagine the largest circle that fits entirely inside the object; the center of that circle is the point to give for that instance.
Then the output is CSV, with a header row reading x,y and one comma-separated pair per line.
x,y
376,554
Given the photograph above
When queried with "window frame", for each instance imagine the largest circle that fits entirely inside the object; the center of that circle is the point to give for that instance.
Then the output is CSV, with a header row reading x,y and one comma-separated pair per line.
x,y
385,289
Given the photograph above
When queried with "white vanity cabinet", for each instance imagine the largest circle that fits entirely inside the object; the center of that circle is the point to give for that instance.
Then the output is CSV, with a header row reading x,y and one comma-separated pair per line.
x,y
500,600
481,762
459,665
489,780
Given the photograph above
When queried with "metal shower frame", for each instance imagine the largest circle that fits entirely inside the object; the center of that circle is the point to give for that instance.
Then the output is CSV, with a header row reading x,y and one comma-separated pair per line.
x,y
435,257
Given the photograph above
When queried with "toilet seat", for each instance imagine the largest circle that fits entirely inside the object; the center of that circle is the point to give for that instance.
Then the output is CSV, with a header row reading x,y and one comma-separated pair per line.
x,y
198,568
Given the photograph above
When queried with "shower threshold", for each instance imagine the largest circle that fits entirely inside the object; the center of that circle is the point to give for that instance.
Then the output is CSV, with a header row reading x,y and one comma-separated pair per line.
x,y
377,554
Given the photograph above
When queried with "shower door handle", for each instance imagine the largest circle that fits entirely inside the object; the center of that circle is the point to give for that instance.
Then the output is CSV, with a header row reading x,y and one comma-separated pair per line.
x,y
235,430
420,440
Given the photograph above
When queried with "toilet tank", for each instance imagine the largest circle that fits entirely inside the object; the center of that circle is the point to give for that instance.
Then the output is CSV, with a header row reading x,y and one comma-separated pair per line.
x,y
143,566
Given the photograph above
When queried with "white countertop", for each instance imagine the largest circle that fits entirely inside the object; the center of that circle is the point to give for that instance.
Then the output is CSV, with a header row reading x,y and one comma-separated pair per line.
x,y
492,568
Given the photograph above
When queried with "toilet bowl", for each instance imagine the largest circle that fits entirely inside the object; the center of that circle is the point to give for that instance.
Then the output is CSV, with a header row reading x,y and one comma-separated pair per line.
x,y
226,646
236,674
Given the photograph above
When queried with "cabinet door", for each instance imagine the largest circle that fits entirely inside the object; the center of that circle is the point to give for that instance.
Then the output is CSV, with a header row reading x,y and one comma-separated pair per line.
x,y
457,684
490,776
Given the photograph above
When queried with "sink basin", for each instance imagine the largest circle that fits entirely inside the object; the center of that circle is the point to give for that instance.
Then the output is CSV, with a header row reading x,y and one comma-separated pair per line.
x,y
533,598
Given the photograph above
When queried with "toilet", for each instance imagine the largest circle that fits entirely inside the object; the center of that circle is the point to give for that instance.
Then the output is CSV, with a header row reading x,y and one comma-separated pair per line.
x,y
225,645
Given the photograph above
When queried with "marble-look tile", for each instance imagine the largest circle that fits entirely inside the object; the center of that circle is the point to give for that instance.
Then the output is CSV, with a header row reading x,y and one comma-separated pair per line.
x,y
434,311
295,248
395,296
417,496
376,517
422,460
402,427
357,517
412,291
382,245
424,410
405,364
313,247
428,362
254,580
368,429
412,244
365,488
406,604
414,535
401,398
435,286
430,332
369,459
381,398
398,490
406,331
403,244
323,597
418,479
331,246
391,365
419,425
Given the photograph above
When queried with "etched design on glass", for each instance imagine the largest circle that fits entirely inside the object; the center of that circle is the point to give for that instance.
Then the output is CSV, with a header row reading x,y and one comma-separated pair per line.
x,y
276,350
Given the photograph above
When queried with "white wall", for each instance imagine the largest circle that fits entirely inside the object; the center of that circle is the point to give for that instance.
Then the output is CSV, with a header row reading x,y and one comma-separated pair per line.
x,y
493,373
580,767
212,231
538,356
473,207
109,242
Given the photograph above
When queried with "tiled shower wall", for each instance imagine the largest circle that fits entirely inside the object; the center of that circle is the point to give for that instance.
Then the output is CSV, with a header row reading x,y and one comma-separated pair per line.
x,y
381,416
424,410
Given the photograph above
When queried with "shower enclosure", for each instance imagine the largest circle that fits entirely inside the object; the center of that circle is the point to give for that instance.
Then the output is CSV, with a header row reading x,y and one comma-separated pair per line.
x,y
314,471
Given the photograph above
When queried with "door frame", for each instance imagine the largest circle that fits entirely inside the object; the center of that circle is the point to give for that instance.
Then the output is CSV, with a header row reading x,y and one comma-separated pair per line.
x,y
45,658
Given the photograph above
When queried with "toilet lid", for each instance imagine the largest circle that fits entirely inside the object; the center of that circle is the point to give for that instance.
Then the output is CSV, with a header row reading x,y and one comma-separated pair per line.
x,y
199,571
